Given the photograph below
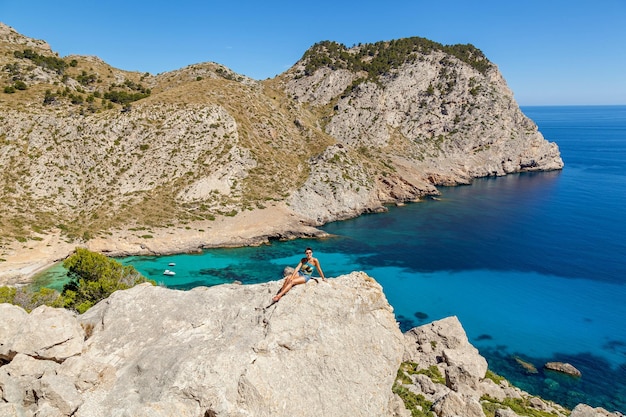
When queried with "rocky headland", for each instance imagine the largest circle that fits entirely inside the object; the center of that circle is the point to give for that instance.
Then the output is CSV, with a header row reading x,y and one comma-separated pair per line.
x,y
326,349
134,163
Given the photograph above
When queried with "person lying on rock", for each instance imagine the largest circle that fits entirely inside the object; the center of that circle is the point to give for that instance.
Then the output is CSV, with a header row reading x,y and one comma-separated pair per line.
x,y
302,273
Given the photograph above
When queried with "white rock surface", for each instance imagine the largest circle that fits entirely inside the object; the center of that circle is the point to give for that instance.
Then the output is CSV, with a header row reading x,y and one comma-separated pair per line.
x,y
326,349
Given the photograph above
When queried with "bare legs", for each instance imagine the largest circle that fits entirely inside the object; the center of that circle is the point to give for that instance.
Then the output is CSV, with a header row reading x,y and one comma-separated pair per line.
x,y
290,281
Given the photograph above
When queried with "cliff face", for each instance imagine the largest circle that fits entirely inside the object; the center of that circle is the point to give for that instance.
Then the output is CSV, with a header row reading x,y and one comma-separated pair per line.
x,y
325,349
430,119
88,149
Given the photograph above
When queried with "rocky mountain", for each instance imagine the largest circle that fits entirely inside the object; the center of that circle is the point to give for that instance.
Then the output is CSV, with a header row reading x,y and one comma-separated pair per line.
x,y
89,149
325,349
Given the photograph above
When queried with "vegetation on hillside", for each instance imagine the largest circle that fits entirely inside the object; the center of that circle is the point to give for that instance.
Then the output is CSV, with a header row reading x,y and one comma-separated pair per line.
x,y
90,91
53,63
415,403
92,278
520,406
379,58
419,406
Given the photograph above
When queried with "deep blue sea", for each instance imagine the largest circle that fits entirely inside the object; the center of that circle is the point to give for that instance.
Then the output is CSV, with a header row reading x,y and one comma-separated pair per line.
x,y
533,265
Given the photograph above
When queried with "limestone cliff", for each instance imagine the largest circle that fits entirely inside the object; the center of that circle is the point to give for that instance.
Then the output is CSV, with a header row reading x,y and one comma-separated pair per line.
x,y
425,113
325,349
88,149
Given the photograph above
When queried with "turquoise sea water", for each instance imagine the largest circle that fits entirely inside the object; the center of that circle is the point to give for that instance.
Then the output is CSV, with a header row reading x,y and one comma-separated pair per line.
x,y
533,265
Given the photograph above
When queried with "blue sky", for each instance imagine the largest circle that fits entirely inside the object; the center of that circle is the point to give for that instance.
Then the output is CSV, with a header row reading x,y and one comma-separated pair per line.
x,y
549,51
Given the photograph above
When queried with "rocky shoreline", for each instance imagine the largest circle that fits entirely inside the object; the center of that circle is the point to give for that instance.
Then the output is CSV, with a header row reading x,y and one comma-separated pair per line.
x,y
227,350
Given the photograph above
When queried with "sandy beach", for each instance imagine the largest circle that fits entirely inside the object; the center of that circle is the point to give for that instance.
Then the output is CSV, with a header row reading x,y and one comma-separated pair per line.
x,y
23,260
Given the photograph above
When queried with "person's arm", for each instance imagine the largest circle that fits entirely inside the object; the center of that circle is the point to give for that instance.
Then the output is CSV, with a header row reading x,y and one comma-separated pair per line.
x,y
295,271
319,269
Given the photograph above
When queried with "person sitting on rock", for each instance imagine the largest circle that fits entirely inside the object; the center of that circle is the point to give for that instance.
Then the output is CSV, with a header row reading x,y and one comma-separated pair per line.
x,y
301,274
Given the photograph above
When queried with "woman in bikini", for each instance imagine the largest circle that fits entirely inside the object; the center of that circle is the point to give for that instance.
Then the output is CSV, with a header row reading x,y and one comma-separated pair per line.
x,y
302,273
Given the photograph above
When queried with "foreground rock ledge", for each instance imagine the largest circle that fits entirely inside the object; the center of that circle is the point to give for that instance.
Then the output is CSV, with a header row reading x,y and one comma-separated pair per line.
x,y
326,349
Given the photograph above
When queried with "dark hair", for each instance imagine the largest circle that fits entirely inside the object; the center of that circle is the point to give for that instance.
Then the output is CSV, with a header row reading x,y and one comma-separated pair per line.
x,y
308,249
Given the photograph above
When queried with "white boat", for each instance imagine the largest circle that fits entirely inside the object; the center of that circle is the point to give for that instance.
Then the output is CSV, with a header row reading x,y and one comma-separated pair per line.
x,y
168,272
171,264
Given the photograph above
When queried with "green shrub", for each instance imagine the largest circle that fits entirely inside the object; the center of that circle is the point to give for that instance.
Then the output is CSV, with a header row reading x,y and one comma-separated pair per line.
x,y
494,377
432,372
123,97
7,294
381,57
416,404
20,85
49,97
93,277
29,299
521,407
50,62
85,79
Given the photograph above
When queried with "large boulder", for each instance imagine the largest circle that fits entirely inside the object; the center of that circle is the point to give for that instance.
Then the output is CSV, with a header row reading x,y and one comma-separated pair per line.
x,y
453,404
325,349
13,318
444,343
46,333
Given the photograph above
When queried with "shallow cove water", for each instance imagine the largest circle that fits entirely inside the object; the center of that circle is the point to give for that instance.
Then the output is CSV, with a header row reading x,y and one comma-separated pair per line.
x,y
533,265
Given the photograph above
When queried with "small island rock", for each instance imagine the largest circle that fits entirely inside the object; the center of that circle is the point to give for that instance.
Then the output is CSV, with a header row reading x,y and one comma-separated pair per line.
x,y
565,368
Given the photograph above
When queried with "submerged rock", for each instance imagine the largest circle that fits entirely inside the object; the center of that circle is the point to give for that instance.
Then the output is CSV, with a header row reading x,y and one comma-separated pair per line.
x,y
528,367
562,367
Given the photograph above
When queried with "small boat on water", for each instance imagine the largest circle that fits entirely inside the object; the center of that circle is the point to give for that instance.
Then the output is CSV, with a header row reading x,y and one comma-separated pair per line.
x,y
168,272
171,264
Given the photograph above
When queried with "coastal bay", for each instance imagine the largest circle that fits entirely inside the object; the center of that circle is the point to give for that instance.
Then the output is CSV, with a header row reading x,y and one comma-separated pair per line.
x,y
473,247
530,263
